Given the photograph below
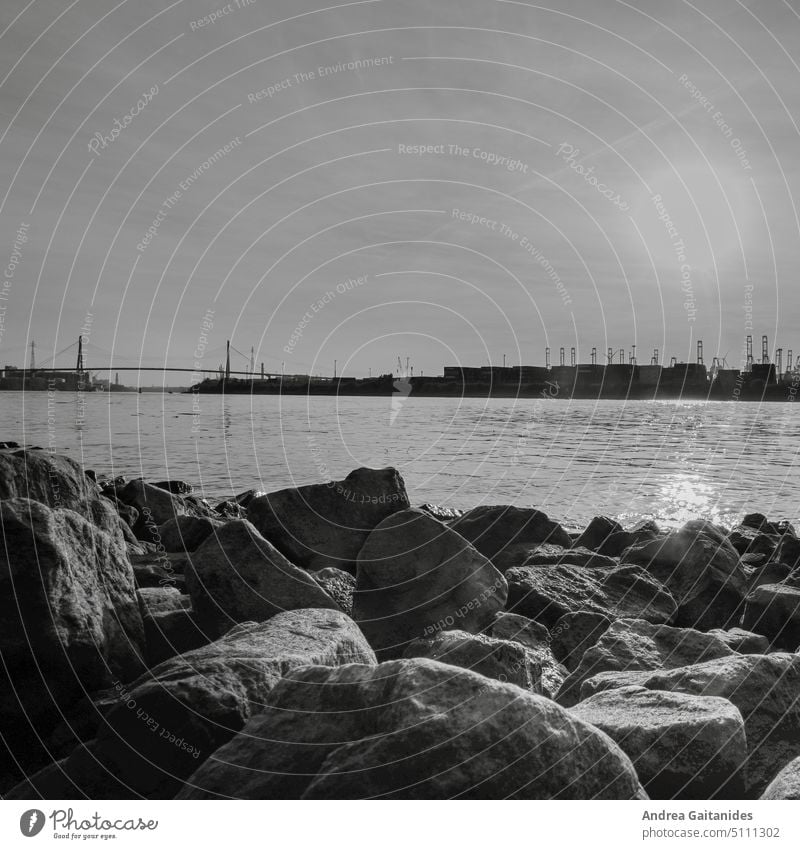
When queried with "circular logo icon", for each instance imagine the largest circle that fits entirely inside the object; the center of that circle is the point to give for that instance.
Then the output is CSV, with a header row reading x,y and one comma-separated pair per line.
x,y
31,822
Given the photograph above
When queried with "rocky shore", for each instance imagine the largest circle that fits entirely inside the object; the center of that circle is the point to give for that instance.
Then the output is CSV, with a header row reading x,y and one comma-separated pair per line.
x,y
332,641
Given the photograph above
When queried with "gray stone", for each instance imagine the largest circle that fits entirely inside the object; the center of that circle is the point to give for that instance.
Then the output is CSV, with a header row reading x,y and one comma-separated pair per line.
x,y
415,577
178,714
748,541
786,784
575,556
69,621
68,602
499,530
631,644
187,533
774,610
766,573
788,551
502,660
156,506
597,532
546,593
162,600
575,633
536,640
237,576
339,585
57,481
765,688
327,524
413,729
512,626
701,569
682,746
743,642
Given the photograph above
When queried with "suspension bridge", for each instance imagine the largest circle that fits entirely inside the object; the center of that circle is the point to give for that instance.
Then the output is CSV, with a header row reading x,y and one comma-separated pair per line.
x,y
90,361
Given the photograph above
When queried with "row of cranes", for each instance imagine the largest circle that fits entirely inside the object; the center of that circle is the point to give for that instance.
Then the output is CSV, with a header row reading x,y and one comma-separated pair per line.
x,y
618,357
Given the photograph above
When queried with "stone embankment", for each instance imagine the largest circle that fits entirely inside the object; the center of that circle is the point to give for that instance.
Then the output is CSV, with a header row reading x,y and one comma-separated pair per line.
x,y
332,641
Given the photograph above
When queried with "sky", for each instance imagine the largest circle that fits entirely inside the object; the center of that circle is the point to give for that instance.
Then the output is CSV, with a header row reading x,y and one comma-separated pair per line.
x,y
458,181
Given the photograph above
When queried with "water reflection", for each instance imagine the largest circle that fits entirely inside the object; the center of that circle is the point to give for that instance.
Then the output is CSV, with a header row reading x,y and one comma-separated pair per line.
x,y
688,495
667,461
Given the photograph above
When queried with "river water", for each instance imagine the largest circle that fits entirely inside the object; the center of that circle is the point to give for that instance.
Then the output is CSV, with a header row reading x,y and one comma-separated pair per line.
x,y
670,461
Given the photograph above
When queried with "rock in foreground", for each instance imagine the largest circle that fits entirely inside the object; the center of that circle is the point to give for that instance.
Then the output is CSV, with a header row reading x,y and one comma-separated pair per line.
x,y
57,481
786,784
701,569
498,531
413,729
765,688
774,611
415,577
68,603
326,524
502,660
237,576
682,746
174,717
546,593
631,644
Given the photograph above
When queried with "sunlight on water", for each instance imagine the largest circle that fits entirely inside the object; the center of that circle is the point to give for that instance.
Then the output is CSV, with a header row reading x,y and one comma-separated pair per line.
x,y
577,459
687,496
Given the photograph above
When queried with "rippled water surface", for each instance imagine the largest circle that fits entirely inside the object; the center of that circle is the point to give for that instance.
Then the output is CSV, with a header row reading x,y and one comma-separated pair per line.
x,y
663,460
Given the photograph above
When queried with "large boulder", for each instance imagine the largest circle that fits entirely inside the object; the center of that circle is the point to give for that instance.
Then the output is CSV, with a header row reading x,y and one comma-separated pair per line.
x,y
327,524
631,644
774,610
701,569
413,729
770,572
575,633
187,533
765,688
156,506
170,720
415,577
748,541
597,532
786,784
237,576
512,626
547,555
537,643
741,641
502,660
546,593
788,551
68,603
759,522
500,531
58,482
69,622
617,542
682,746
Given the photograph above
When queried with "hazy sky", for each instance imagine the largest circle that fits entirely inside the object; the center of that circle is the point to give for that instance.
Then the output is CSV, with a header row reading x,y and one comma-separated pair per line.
x,y
498,239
